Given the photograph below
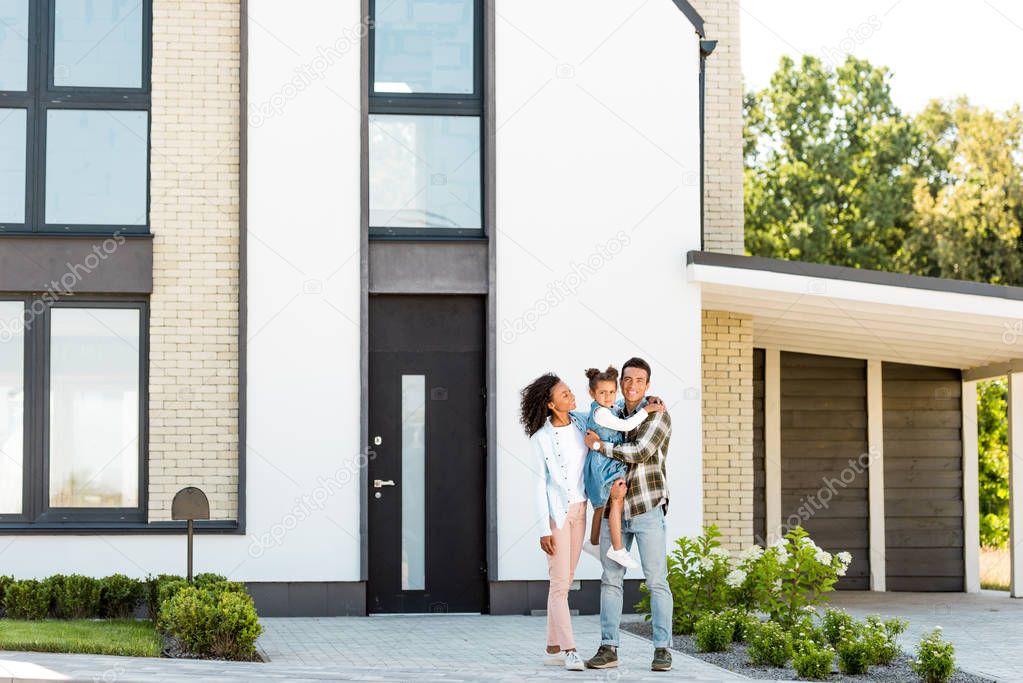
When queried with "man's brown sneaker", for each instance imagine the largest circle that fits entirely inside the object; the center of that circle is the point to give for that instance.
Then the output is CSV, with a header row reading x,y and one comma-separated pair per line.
x,y
662,660
606,658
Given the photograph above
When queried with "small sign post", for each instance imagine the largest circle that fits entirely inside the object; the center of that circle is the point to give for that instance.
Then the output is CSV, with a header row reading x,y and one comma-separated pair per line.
x,y
190,504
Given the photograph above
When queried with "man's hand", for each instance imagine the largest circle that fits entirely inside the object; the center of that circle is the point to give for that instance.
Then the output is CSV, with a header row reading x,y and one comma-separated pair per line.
x,y
591,439
547,544
654,404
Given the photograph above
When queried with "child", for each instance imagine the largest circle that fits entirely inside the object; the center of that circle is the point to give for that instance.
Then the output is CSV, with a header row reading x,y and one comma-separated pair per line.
x,y
600,471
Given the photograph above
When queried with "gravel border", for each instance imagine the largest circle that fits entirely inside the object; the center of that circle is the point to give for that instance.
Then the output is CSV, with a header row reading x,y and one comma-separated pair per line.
x,y
736,660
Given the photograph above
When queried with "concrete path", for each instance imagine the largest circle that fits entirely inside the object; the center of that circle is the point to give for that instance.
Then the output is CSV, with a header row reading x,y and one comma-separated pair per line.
x,y
986,628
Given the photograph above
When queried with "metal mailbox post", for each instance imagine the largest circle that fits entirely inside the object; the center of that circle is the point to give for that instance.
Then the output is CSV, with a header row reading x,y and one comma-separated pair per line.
x,y
190,504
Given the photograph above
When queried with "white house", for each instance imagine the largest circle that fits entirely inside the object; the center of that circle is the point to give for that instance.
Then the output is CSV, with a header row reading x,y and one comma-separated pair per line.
x,y
305,260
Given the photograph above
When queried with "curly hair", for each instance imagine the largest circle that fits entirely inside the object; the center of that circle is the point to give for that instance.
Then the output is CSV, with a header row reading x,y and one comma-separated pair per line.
x,y
595,376
533,410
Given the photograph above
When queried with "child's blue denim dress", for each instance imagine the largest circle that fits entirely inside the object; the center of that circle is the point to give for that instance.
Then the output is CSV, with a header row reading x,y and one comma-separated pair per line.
x,y
601,471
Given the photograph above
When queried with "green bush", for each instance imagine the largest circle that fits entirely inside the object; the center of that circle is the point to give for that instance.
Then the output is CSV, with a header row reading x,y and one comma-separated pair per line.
x,y
812,659
206,579
855,655
698,570
28,599
153,586
5,581
935,658
54,585
836,625
120,595
742,623
713,631
212,624
882,637
769,644
77,597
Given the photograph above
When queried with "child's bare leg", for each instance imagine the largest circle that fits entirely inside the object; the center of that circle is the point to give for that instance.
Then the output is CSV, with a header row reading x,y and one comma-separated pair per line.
x,y
614,520
598,514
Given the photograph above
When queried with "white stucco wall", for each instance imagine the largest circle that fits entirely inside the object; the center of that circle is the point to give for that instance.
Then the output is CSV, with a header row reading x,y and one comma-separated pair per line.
x,y
597,202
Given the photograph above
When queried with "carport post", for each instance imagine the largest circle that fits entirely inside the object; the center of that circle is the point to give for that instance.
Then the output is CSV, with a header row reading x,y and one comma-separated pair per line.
x,y
1015,484
971,490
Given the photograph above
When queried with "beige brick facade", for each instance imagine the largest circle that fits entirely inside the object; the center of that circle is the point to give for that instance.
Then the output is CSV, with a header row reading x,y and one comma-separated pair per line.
x,y
728,426
193,409
723,209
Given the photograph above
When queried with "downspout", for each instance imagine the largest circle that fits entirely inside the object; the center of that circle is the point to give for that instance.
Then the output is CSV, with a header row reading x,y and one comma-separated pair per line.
x,y
706,48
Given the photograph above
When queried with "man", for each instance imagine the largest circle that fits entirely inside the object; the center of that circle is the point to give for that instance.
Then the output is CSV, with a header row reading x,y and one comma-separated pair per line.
x,y
646,503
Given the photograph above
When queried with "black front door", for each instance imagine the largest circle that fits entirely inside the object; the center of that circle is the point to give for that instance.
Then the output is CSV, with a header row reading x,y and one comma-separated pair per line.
x,y
427,474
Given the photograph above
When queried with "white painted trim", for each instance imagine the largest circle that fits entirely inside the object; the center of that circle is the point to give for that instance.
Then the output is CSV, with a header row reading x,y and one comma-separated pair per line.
x,y
875,473
971,489
772,443
1015,483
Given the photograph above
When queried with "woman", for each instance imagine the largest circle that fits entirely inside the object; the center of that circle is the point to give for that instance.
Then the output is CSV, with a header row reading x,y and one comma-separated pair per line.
x,y
559,452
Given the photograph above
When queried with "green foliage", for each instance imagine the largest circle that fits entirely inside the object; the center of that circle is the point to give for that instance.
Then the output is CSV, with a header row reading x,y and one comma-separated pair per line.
x,y
742,623
78,597
120,595
836,625
152,588
212,624
812,660
714,631
697,572
28,599
54,585
935,658
993,442
882,637
206,579
854,655
791,576
769,643
5,581
126,637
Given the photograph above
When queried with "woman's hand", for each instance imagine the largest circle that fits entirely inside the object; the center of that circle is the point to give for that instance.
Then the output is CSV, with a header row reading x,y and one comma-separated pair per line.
x,y
547,544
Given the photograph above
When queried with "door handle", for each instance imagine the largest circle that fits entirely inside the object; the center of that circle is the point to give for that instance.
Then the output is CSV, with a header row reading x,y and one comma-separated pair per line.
x,y
380,483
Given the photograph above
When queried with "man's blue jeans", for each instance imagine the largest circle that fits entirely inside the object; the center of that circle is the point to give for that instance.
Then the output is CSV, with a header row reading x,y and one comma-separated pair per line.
x,y
649,533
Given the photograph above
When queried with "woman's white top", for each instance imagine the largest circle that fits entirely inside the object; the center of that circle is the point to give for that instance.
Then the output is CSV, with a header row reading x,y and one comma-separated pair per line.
x,y
559,455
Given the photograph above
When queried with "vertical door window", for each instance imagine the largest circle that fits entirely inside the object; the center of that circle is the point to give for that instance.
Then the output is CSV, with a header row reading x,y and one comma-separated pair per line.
x,y
413,482
12,407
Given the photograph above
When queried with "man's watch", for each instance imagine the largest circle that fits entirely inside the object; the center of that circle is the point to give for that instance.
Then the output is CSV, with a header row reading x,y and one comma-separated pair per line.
x,y
598,446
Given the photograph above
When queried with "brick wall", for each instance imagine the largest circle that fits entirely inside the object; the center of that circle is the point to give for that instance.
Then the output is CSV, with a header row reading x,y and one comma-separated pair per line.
x,y
728,426
193,411
723,209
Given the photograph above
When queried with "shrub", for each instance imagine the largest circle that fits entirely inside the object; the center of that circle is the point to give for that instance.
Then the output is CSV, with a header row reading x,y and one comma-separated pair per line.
x,y
742,623
836,624
714,631
78,597
120,595
698,576
206,579
790,576
28,599
5,581
152,588
213,624
769,644
935,658
854,655
812,659
882,637
54,585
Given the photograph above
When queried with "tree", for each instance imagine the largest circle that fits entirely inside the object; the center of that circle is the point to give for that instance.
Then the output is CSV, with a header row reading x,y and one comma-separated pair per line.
x,y
831,166
993,442
968,212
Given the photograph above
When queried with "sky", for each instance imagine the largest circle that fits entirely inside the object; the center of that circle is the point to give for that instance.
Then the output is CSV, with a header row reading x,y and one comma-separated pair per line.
x,y
935,48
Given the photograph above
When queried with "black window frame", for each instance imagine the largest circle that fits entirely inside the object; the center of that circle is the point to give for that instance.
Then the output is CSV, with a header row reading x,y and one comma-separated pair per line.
x,y
42,95
434,104
36,509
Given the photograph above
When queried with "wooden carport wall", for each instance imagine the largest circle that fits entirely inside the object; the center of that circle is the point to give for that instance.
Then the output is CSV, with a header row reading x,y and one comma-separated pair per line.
x,y
875,439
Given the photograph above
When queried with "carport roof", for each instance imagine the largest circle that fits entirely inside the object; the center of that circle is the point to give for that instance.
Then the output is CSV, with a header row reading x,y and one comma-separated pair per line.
x,y
834,310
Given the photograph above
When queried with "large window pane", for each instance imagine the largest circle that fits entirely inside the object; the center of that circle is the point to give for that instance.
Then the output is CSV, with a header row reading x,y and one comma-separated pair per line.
x,y
12,165
413,482
94,407
12,402
423,46
424,171
98,43
13,44
96,167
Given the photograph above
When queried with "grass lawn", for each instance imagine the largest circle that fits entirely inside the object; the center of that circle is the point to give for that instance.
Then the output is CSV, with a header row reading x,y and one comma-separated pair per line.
x,y
994,568
81,636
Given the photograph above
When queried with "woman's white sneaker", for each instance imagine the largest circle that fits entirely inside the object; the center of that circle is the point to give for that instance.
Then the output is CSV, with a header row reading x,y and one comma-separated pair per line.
x,y
573,662
622,557
554,659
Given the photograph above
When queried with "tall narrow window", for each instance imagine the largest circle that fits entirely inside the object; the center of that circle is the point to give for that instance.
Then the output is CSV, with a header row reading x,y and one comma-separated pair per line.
x,y
74,116
12,407
426,119
94,408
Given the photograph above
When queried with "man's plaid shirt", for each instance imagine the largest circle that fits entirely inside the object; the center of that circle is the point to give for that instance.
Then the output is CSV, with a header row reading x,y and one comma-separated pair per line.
x,y
644,451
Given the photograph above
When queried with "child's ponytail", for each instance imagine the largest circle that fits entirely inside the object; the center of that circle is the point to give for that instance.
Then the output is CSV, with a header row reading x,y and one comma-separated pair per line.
x,y
595,376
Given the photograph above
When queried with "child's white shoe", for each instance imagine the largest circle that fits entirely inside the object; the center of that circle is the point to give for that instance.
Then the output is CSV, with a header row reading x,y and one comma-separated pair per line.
x,y
591,550
622,557
554,658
